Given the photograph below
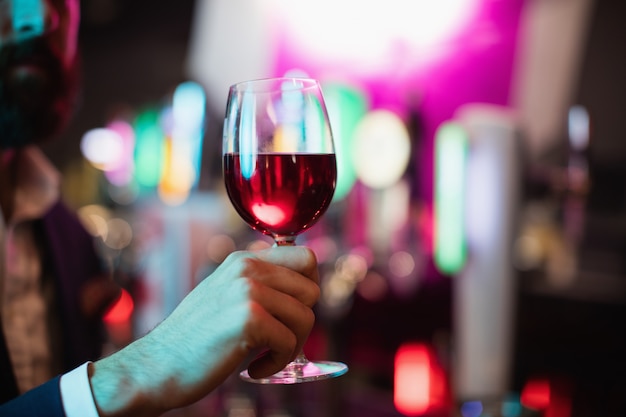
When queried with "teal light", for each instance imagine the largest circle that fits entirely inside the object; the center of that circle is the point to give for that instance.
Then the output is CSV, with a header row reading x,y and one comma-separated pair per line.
x,y
346,107
511,406
248,140
28,19
189,106
149,149
188,110
450,167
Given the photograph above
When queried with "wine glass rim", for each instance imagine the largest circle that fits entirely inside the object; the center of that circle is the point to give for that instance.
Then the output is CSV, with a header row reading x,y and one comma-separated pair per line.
x,y
268,85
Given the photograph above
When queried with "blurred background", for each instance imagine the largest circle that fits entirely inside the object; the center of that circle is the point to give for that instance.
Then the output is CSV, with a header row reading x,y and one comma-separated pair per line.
x,y
473,258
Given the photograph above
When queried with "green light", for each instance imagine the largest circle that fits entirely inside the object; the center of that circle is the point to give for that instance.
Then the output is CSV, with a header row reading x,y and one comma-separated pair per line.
x,y
149,148
450,168
346,107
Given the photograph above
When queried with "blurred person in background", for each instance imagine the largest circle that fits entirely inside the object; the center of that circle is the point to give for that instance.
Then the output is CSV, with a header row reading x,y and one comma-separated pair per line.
x,y
54,289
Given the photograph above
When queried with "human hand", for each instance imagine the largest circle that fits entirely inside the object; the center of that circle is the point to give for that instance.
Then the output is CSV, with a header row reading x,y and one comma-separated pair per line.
x,y
254,302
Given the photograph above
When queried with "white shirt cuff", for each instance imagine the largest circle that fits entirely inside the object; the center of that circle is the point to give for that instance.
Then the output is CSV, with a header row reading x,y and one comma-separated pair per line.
x,y
76,393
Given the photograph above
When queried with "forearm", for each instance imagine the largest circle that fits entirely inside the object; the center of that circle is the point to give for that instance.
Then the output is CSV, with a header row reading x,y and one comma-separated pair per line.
x,y
159,372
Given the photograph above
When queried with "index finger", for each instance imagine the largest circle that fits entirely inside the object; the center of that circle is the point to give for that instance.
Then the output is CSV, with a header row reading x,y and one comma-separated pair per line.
x,y
298,258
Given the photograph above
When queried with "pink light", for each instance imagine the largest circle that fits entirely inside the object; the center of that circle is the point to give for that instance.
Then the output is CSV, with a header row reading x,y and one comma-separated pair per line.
x,y
121,172
419,384
269,214
370,36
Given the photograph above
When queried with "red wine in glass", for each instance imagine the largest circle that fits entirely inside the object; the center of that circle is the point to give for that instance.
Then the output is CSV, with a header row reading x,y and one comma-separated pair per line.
x,y
278,194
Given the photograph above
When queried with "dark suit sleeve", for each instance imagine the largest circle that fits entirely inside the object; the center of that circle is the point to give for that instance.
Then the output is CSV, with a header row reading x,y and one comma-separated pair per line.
x,y
42,401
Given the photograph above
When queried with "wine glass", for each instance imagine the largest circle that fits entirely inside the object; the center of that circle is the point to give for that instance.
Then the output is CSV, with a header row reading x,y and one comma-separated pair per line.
x,y
280,174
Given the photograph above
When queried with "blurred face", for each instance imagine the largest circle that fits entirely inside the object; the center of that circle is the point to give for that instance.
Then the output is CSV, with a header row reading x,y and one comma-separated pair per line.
x,y
38,70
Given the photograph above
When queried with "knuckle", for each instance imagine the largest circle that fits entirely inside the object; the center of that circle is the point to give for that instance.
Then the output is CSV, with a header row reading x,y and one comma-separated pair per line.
x,y
254,310
310,260
250,264
317,292
255,314
251,287
309,255
312,296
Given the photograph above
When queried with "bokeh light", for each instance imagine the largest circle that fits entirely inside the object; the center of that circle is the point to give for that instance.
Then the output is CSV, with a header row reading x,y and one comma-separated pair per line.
x,y
94,218
324,247
149,148
120,172
401,264
346,107
451,149
103,147
374,287
339,286
578,127
369,36
122,309
472,409
419,382
183,127
382,149
536,393
119,234
219,247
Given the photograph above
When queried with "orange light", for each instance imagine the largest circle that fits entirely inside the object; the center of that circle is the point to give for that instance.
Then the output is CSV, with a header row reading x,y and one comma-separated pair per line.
x,y
419,384
121,311
178,176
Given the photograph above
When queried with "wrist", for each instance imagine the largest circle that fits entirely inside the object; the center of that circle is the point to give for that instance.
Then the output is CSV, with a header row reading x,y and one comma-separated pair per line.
x,y
121,385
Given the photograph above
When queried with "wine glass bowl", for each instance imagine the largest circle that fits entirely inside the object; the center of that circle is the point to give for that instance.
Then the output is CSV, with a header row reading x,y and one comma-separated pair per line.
x,y
279,159
280,174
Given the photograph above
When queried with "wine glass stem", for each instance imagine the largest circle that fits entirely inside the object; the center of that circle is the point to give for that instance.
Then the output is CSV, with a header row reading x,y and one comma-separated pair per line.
x,y
296,367
301,360
285,240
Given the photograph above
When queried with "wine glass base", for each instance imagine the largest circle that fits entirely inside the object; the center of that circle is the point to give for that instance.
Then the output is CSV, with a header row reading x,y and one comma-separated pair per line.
x,y
310,371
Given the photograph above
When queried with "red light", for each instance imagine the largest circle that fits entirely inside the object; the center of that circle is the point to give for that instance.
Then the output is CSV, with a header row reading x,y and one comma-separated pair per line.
x,y
536,394
550,395
419,384
121,311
